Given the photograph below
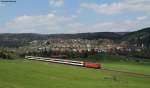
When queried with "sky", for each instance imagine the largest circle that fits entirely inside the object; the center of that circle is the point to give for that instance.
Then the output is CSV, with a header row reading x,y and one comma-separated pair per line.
x,y
73,16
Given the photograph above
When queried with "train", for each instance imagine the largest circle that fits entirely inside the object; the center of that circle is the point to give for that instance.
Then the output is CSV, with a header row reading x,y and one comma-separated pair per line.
x,y
65,61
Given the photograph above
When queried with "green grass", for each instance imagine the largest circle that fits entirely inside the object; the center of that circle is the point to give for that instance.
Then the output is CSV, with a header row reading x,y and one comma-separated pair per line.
x,y
33,74
122,63
128,67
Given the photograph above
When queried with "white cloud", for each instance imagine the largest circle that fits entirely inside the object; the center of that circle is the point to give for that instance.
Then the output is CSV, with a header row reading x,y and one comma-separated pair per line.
x,y
50,23
56,3
141,18
119,7
120,26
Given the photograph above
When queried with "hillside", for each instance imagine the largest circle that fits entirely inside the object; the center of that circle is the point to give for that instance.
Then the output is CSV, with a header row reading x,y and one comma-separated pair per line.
x,y
17,40
139,38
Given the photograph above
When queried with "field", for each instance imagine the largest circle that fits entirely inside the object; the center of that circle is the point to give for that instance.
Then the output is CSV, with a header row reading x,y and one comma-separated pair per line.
x,y
120,63
34,74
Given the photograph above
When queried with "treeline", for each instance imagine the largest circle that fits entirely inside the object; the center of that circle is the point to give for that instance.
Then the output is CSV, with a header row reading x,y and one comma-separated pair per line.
x,y
61,54
7,54
139,38
143,53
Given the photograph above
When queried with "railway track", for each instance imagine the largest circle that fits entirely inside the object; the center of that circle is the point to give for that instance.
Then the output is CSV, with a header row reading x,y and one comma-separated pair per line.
x,y
128,73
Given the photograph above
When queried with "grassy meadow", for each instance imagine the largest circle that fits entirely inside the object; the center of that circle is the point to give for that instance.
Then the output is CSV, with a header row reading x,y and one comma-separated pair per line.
x,y
121,63
35,74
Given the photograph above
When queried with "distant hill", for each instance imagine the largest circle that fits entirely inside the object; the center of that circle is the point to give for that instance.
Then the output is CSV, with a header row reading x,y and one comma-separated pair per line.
x,y
17,40
96,35
139,38
122,33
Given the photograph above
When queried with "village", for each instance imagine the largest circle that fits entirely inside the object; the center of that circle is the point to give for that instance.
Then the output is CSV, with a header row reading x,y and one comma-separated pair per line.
x,y
84,45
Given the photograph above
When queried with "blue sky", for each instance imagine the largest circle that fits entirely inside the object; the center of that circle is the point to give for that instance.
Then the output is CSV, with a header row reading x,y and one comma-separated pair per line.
x,y
74,16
